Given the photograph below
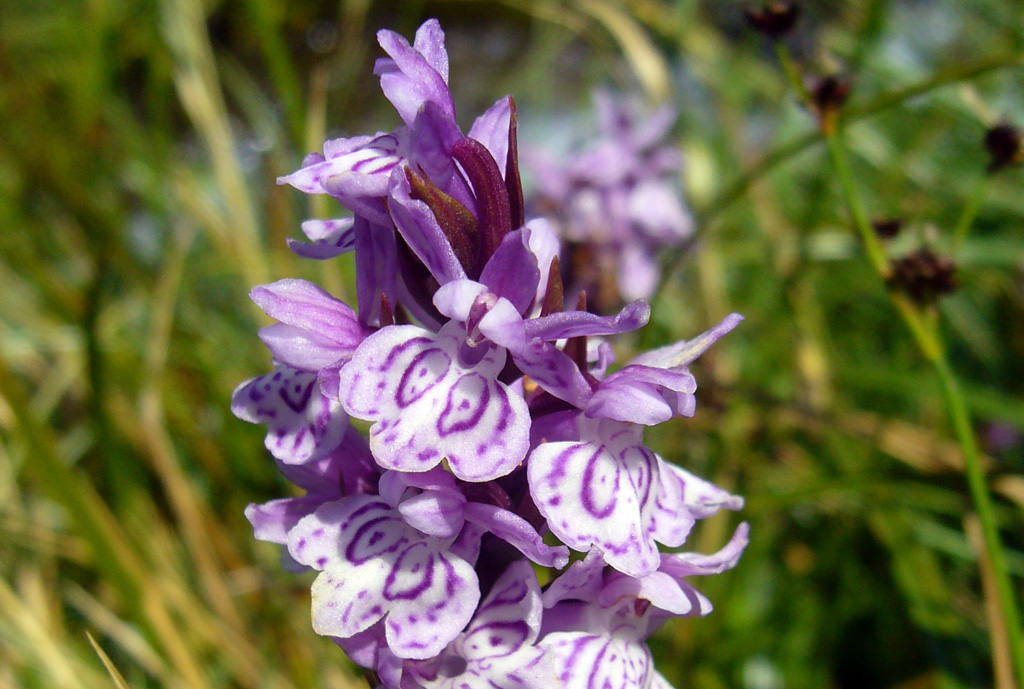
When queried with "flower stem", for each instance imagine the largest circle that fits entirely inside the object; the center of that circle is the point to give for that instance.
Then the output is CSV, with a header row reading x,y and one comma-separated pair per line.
x,y
960,417
970,212
778,157
926,335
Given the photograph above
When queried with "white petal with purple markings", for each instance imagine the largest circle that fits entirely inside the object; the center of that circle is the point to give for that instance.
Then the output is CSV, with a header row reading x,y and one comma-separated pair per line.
x,y
428,405
302,424
376,566
590,661
497,649
593,494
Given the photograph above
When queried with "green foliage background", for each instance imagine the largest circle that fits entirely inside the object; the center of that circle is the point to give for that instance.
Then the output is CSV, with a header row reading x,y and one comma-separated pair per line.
x,y
138,151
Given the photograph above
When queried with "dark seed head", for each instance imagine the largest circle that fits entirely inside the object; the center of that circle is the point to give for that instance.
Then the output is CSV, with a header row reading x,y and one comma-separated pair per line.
x,y
923,276
887,228
774,19
1005,146
831,92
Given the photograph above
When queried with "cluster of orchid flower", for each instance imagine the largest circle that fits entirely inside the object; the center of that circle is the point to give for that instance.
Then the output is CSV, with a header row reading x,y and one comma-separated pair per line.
x,y
495,422
615,201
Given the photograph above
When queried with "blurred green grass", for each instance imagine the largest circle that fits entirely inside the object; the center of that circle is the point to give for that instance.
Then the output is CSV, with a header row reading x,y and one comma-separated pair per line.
x,y
138,152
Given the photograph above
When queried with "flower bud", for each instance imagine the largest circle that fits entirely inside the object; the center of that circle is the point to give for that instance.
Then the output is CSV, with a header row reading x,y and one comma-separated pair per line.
x,y
774,19
1005,146
887,228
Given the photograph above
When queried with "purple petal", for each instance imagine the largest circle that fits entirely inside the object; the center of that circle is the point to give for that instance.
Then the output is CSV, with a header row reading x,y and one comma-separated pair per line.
x,y
364,649
272,520
362,194
686,352
375,566
491,129
555,427
694,564
638,272
409,79
316,329
422,233
701,498
515,530
582,581
624,401
348,469
376,268
467,545
652,131
554,371
369,157
658,214
431,140
545,246
435,513
644,395
429,41
426,405
305,305
658,588
302,424
576,323
455,299
330,238
302,349
512,271
669,518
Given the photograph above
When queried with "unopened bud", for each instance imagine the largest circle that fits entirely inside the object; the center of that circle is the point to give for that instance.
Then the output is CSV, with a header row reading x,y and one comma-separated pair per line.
x,y
775,19
887,228
1005,145
829,95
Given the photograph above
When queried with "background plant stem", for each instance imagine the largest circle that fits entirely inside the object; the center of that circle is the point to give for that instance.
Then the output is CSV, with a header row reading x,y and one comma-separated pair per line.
x,y
927,338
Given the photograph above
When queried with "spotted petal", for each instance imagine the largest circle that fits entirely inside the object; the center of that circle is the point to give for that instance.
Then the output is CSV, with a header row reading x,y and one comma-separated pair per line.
x,y
592,661
509,617
427,404
373,565
302,424
593,493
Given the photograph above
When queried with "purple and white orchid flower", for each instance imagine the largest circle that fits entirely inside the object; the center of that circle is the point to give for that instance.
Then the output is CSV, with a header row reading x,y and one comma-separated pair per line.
x,y
498,439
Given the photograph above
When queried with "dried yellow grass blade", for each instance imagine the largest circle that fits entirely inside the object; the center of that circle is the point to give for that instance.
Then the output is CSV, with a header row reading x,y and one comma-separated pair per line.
x,y
647,62
111,668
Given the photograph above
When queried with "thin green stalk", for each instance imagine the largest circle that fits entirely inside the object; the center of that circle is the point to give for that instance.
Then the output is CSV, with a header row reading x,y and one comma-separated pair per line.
x,y
925,334
872,245
970,212
738,188
960,417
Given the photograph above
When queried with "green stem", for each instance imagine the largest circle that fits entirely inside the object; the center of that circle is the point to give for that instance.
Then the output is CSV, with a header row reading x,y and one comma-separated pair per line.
x,y
872,245
960,417
926,335
738,188
970,212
